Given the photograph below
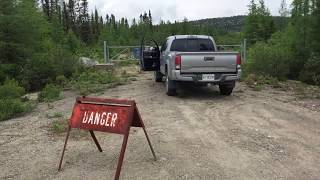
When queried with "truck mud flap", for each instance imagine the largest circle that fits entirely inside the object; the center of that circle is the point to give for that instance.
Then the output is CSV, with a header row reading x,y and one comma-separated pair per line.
x,y
150,56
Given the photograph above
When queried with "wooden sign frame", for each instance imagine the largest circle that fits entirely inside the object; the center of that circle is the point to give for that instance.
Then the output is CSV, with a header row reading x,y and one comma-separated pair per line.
x,y
129,117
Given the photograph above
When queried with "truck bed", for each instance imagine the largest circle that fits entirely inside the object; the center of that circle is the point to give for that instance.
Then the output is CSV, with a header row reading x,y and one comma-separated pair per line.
x,y
208,62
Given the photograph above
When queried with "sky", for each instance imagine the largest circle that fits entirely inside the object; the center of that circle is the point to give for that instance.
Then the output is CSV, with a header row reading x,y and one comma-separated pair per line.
x,y
178,9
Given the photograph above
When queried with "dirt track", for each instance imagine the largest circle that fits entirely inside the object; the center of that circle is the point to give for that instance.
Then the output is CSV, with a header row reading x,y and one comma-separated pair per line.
x,y
197,135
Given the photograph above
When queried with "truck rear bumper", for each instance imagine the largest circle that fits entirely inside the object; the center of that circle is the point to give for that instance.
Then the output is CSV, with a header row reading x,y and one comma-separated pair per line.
x,y
219,77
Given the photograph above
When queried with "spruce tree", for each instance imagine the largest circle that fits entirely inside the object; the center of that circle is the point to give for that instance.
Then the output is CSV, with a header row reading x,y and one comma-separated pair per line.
x,y
259,25
150,20
316,28
65,18
84,22
284,13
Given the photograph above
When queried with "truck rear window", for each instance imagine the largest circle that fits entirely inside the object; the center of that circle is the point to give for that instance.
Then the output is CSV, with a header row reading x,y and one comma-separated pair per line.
x,y
192,45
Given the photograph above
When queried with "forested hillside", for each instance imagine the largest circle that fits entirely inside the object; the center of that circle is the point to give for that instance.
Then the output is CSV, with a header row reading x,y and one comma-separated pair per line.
x,y
232,24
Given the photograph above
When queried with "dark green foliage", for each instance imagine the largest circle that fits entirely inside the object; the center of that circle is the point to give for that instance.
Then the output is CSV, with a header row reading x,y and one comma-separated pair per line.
x,y
11,104
11,90
315,27
311,70
34,50
19,40
61,80
50,93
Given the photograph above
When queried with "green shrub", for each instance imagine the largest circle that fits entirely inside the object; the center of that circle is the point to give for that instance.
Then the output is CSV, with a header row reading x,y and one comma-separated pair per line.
x,y
11,104
11,90
258,88
12,107
273,58
266,59
50,93
93,81
311,71
61,80
45,67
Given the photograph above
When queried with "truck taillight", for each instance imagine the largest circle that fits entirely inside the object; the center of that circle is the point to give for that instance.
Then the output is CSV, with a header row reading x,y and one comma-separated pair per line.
x,y
239,59
178,62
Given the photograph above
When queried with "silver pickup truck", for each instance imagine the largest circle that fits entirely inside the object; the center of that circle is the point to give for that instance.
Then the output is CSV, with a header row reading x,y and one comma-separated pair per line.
x,y
194,59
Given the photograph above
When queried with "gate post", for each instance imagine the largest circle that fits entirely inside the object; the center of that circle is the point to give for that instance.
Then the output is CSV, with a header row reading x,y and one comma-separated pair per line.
x,y
245,50
106,52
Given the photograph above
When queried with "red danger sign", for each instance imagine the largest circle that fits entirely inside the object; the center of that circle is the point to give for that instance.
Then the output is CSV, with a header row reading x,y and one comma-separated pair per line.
x,y
106,115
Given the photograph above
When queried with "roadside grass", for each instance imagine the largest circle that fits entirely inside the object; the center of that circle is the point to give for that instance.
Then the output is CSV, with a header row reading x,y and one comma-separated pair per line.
x,y
93,81
126,62
126,75
59,125
10,108
300,89
54,115
258,82
304,91
50,93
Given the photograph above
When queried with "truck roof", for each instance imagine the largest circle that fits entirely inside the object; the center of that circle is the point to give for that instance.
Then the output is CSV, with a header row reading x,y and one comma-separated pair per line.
x,y
189,36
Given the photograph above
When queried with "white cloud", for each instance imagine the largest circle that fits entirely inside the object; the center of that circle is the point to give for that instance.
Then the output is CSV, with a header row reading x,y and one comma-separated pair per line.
x,y
178,9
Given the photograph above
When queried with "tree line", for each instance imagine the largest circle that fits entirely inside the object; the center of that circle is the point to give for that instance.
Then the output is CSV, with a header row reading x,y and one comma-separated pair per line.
x,y
293,51
41,40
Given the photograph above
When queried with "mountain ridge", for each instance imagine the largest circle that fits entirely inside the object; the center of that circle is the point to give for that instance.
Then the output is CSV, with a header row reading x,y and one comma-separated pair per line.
x,y
232,23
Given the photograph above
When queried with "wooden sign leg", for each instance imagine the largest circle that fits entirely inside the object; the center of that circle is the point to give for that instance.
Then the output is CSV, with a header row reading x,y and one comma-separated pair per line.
x,y
123,149
145,132
95,140
64,147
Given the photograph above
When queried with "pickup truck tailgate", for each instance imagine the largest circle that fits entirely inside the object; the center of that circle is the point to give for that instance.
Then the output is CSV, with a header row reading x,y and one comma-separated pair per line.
x,y
208,62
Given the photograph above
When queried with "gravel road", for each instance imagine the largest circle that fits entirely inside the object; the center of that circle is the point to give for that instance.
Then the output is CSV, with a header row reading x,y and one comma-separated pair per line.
x,y
196,135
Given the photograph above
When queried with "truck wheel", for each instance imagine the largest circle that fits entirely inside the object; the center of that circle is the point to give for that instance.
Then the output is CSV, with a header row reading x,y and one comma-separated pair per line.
x,y
158,76
225,90
170,87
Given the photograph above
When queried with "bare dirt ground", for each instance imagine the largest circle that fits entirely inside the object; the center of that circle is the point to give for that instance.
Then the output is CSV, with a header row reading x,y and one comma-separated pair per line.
x,y
196,135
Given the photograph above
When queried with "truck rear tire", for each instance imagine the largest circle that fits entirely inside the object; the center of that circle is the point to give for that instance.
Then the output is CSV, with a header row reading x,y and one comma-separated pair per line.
x,y
158,76
225,90
170,87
